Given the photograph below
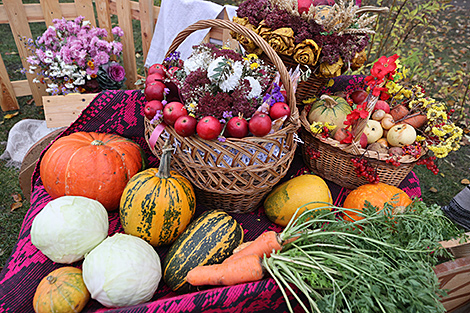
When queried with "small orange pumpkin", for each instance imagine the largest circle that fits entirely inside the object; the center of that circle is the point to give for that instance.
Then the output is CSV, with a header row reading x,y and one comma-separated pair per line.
x,y
93,165
62,290
377,194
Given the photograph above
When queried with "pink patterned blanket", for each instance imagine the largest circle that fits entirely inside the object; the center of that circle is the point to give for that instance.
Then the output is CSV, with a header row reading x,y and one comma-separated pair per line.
x,y
121,112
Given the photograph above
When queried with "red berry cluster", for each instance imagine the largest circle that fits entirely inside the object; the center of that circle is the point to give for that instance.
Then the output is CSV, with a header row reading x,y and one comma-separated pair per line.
x,y
363,168
430,165
313,153
394,161
414,150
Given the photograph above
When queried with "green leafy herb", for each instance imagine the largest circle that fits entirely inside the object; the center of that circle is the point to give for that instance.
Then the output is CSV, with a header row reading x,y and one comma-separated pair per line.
x,y
382,263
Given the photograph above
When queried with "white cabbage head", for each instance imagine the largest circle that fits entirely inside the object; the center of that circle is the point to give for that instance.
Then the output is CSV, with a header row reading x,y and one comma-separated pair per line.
x,y
123,270
69,227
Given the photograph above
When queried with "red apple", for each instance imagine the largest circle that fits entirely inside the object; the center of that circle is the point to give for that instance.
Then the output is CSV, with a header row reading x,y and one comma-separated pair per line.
x,y
278,110
172,70
157,68
304,5
382,105
237,127
185,126
323,2
358,96
208,128
155,91
151,108
154,77
173,111
260,125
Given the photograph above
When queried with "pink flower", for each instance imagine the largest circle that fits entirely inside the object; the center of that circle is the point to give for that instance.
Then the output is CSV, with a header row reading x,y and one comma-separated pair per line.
x,y
117,47
116,72
101,58
117,31
92,72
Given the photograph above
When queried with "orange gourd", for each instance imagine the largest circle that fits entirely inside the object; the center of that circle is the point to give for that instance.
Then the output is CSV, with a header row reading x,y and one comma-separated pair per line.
x,y
62,290
377,194
93,165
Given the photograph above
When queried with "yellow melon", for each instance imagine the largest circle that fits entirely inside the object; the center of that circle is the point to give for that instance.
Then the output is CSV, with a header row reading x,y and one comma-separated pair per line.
x,y
282,202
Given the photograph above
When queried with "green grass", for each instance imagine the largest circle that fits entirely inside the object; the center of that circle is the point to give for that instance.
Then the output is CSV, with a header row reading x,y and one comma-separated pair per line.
x,y
435,188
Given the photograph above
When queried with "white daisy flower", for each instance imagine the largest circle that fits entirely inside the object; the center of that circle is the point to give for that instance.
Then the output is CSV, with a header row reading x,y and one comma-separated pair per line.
x,y
255,87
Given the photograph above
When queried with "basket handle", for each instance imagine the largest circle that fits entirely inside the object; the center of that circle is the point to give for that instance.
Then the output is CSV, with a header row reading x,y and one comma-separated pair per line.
x,y
260,42
361,125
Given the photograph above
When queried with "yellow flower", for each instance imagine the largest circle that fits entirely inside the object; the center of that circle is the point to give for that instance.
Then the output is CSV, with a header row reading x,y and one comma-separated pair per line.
x,y
251,56
254,65
307,52
331,70
330,126
282,40
439,151
438,132
309,101
434,114
316,127
420,138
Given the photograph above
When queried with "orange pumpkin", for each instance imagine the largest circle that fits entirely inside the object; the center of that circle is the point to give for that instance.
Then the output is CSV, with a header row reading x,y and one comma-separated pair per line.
x,y
62,290
377,195
93,165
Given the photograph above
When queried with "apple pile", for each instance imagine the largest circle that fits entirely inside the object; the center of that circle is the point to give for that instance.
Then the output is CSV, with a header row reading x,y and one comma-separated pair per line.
x,y
388,129
164,104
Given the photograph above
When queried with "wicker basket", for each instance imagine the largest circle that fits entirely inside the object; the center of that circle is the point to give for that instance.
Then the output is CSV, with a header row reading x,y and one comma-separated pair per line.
x,y
234,175
334,162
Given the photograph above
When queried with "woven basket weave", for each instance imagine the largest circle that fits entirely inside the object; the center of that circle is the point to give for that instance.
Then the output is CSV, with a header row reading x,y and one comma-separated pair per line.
x,y
334,162
234,175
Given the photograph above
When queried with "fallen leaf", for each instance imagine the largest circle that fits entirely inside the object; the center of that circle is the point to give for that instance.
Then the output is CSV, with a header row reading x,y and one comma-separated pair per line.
x,y
465,182
9,116
16,206
433,190
30,101
16,197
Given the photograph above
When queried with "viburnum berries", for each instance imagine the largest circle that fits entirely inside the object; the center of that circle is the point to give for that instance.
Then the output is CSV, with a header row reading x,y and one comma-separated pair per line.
x,y
365,169
430,165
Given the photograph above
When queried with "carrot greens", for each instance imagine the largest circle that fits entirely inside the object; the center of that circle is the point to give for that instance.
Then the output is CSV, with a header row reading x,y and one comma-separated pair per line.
x,y
382,263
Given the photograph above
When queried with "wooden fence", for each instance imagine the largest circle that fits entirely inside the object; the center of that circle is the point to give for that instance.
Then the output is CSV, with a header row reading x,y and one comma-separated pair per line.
x,y
19,15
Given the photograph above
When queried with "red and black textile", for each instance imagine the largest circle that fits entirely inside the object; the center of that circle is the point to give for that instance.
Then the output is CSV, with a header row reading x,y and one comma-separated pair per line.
x,y
121,112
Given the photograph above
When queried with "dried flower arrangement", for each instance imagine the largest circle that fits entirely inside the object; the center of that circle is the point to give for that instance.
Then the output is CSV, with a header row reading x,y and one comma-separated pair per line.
x,y
222,83
333,37
73,56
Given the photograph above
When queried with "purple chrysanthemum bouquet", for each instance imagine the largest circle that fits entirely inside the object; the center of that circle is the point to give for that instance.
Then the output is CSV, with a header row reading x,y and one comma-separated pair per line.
x,y
70,54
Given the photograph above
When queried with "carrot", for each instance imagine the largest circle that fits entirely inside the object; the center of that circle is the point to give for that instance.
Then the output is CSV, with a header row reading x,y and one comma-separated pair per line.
x,y
245,269
264,244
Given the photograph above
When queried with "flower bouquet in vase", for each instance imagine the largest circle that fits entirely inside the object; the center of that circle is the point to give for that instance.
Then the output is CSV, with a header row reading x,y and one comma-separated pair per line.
x,y
321,39
74,57
232,125
378,132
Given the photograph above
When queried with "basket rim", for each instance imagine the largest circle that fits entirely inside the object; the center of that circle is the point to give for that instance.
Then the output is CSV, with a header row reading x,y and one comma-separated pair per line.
x,y
286,131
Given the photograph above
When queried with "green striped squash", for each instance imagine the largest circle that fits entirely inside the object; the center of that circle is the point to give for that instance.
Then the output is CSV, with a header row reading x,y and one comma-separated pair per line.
x,y
210,239
331,109
157,205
